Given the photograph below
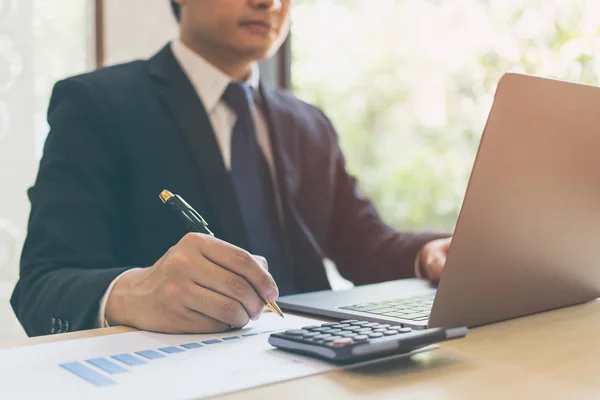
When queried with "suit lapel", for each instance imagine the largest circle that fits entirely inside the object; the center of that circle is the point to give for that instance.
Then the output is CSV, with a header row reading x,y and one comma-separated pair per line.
x,y
188,113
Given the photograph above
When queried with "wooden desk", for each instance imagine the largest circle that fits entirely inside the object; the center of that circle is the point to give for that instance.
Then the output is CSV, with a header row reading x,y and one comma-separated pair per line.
x,y
550,355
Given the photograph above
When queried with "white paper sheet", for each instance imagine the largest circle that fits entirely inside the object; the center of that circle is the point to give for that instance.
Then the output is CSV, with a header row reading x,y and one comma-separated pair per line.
x,y
226,366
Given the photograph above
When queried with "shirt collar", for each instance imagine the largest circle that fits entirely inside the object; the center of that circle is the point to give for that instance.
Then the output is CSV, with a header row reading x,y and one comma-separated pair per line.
x,y
208,81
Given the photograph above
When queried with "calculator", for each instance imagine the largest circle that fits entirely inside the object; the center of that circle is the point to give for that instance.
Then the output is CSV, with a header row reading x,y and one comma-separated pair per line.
x,y
355,340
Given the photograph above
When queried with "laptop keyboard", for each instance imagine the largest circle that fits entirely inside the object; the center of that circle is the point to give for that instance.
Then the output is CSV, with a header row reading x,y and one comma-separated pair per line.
x,y
411,308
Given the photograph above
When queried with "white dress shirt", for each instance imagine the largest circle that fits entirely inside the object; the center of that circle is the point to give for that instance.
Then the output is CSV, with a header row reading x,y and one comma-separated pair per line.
x,y
210,84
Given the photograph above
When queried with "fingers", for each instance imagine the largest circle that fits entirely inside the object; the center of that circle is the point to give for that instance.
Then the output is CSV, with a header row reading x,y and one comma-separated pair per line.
x,y
194,322
200,285
446,245
434,265
220,280
206,285
262,261
185,320
216,306
168,314
239,262
433,258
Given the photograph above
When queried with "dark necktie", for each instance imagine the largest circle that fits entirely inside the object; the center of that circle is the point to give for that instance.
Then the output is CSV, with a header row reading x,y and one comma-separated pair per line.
x,y
254,189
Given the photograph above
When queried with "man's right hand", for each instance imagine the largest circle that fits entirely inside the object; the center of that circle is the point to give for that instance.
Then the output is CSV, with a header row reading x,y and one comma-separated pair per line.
x,y
201,285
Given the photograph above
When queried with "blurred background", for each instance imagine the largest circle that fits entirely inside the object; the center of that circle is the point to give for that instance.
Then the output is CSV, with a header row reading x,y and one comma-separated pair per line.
x,y
408,85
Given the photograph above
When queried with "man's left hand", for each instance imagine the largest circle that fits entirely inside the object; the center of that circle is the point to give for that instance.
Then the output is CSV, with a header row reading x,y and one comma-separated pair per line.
x,y
432,258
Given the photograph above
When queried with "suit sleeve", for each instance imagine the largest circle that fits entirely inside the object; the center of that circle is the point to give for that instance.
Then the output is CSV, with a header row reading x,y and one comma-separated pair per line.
x,y
68,259
364,248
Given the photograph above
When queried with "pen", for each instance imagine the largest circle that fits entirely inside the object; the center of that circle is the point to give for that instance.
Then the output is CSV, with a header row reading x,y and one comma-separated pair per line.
x,y
196,223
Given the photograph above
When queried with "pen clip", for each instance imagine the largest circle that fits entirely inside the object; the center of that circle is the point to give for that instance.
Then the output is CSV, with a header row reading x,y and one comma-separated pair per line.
x,y
190,209
194,213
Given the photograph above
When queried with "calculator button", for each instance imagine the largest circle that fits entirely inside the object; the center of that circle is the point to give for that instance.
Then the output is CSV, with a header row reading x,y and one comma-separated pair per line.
x,y
311,334
360,338
380,330
375,335
320,329
328,324
364,330
390,333
353,328
332,331
348,321
296,332
342,333
340,326
359,323
371,325
331,339
342,341
322,336
381,326
310,327
350,335
405,330
398,327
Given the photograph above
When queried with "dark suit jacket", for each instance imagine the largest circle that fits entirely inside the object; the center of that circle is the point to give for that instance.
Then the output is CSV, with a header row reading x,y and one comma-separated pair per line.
x,y
121,135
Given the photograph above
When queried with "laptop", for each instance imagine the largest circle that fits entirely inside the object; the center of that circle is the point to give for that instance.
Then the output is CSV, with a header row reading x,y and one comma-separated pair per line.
x,y
527,238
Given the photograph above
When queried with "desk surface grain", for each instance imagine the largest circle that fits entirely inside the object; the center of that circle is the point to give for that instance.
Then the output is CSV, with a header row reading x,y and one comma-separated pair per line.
x,y
551,355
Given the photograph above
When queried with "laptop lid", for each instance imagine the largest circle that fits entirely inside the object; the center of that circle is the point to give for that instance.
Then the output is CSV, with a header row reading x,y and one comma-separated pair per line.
x,y
528,235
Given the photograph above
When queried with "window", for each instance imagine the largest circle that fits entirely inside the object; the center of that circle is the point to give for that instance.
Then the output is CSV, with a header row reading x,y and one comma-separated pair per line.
x,y
63,46
409,84
41,41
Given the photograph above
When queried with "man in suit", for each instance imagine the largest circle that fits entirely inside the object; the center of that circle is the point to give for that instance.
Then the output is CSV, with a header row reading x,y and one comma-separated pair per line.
x,y
262,167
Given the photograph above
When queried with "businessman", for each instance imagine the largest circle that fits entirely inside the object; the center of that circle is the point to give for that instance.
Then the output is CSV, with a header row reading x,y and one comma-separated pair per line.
x,y
263,168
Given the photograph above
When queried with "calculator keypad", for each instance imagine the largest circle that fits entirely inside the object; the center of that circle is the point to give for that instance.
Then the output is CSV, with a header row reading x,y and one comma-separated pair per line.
x,y
345,332
354,340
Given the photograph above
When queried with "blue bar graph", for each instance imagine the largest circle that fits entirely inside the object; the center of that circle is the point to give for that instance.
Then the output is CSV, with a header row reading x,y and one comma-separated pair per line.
x,y
129,359
150,354
106,365
190,346
171,350
212,341
84,372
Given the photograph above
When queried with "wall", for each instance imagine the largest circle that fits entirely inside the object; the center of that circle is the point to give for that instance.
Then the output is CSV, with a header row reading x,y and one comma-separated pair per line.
x,y
17,155
136,28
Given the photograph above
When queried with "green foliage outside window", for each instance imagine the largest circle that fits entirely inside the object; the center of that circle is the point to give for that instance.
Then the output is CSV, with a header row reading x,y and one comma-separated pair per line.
x,y
408,85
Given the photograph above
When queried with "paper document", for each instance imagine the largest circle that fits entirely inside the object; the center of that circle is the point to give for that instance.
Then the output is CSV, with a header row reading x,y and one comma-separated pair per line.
x,y
156,366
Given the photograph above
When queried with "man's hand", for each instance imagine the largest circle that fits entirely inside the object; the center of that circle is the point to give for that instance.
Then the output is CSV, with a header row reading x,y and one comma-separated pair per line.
x,y
201,285
432,258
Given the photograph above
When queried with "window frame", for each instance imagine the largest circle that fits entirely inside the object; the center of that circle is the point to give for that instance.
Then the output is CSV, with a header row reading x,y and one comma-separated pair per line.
x,y
99,32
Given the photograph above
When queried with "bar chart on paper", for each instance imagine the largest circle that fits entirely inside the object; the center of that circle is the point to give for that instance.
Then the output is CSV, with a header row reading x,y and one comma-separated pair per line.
x,y
155,366
95,370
